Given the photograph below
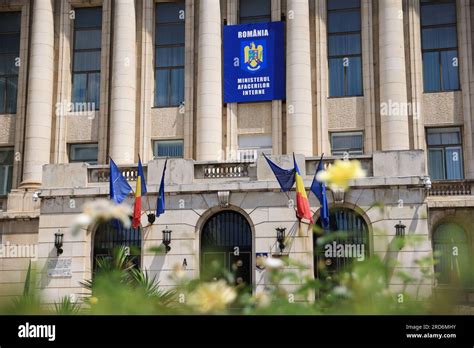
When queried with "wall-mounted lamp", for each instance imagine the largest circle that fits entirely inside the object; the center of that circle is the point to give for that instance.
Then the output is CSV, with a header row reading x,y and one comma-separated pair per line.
x,y
58,242
400,230
167,239
281,238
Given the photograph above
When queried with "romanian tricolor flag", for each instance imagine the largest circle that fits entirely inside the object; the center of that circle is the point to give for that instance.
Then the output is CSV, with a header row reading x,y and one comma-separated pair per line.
x,y
141,189
303,210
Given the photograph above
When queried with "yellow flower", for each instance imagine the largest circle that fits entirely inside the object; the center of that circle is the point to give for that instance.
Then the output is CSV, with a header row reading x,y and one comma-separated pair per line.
x,y
93,300
261,299
337,176
212,297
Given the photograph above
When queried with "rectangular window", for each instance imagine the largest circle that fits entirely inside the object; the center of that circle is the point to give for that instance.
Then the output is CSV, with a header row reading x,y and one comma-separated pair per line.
x,y
83,153
251,11
9,60
439,45
445,153
169,54
344,48
347,142
6,170
86,58
168,148
252,145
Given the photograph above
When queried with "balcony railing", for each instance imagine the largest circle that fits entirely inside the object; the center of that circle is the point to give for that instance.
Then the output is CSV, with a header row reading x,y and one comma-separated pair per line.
x,y
221,170
365,162
101,173
451,188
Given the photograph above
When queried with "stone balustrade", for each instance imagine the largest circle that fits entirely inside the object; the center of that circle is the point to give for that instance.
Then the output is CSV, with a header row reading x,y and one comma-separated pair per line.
x,y
451,188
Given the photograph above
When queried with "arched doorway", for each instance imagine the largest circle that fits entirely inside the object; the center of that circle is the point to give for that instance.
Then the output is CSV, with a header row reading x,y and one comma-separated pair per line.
x,y
346,240
110,235
226,247
451,250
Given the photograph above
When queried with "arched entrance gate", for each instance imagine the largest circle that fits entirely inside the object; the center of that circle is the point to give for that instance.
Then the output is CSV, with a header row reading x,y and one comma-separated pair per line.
x,y
226,247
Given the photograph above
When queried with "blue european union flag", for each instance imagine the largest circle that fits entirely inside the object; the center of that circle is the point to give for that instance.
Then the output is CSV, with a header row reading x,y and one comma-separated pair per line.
x,y
285,177
119,187
160,204
142,176
319,190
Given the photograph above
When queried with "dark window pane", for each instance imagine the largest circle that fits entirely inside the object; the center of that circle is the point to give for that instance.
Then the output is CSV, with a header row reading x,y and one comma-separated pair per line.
x,y
344,44
88,17
453,163
431,72
336,77
343,21
161,88
6,170
169,34
7,65
10,22
342,4
94,90
87,39
2,95
168,148
252,8
169,56
433,138
10,43
247,20
83,153
436,164
438,14
434,38
87,61
169,12
12,88
350,142
177,86
79,87
450,138
449,68
354,76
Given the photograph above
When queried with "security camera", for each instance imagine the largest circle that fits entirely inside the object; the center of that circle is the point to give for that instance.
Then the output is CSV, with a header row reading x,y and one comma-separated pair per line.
x,y
427,182
36,196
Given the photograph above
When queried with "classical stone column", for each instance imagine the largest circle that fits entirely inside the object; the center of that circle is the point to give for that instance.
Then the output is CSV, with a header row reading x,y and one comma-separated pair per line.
x,y
393,88
299,125
40,94
209,84
123,101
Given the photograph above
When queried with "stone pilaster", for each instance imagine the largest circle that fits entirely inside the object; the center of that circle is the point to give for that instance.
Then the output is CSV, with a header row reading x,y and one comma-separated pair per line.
x,y
124,70
40,94
299,124
209,85
393,90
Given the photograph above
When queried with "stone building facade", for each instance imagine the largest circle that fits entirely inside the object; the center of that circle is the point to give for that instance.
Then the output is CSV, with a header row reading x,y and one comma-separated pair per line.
x,y
102,78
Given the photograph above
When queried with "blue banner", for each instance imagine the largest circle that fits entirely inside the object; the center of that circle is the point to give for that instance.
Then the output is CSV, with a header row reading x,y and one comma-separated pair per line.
x,y
254,62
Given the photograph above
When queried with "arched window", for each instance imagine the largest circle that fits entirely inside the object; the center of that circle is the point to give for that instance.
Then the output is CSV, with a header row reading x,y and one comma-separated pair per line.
x,y
226,247
451,254
350,241
112,234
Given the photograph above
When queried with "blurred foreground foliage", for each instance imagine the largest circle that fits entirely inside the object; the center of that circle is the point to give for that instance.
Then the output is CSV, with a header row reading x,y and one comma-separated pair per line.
x,y
118,287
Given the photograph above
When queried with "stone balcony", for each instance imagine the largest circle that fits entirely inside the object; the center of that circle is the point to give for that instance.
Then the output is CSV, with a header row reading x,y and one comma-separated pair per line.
x,y
182,175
